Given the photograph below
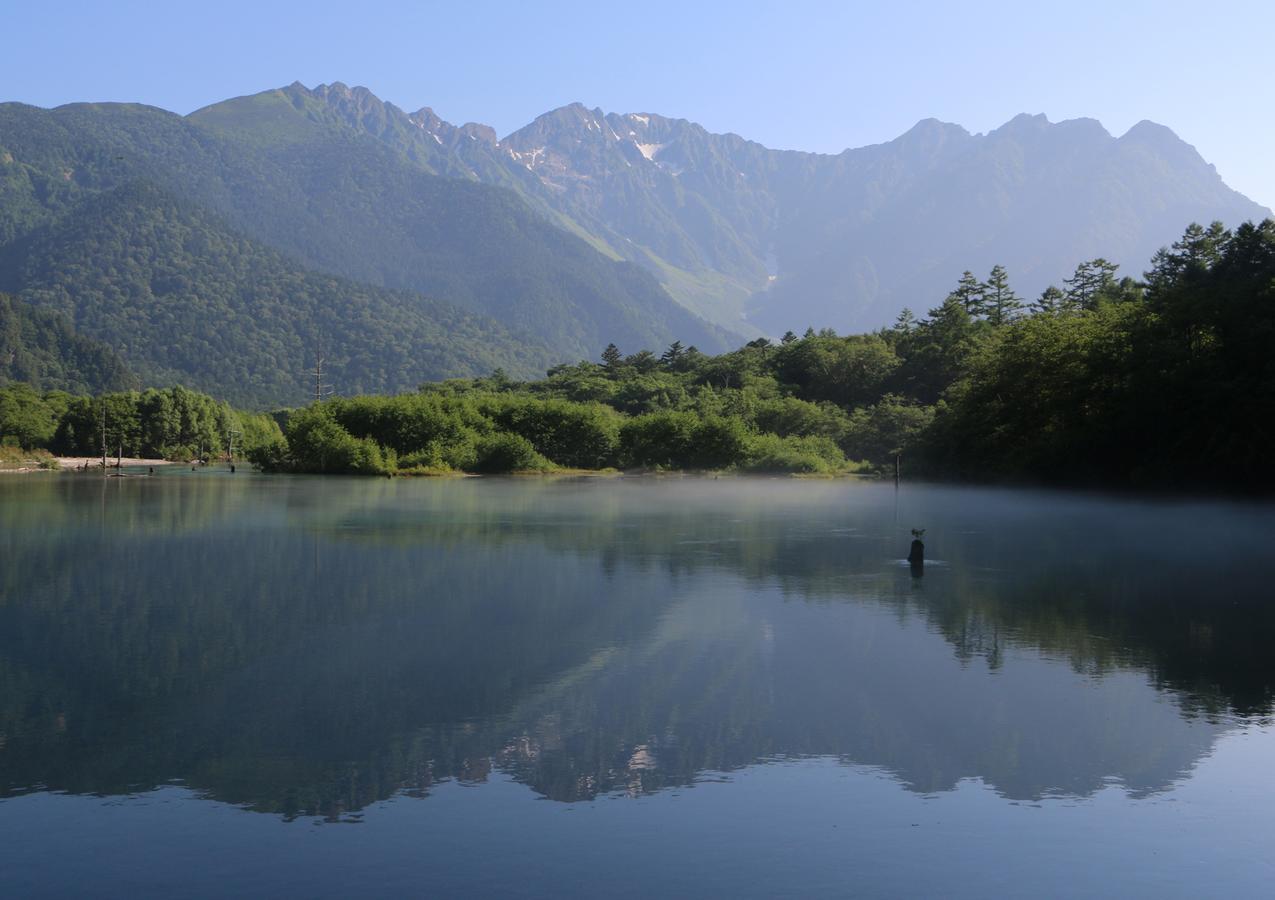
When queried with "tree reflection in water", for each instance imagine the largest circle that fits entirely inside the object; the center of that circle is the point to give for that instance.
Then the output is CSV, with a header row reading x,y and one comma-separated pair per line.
x,y
309,646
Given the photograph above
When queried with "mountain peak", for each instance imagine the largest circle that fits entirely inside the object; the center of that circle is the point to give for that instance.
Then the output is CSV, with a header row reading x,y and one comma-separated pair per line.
x,y
1037,127
564,126
339,91
480,132
931,126
1026,122
567,112
1164,142
1148,132
430,120
930,135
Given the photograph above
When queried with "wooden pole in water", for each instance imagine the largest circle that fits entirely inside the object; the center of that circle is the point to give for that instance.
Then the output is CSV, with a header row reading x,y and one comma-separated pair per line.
x,y
103,434
897,467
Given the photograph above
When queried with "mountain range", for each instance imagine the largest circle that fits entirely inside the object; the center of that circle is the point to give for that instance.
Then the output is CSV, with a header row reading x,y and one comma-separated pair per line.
x,y
413,248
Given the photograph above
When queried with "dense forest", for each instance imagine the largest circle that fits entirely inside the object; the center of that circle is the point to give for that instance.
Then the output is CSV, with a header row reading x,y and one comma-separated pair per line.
x,y
176,423
42,348
1108,380
186,300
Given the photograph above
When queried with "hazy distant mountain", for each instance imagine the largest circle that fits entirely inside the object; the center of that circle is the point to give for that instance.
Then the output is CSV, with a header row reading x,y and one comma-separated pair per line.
x,y
582,228
333,199
843,240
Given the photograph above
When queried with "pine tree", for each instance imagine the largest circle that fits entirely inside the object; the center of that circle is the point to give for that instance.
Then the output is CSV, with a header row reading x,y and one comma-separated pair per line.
x,y
643,361
1090,281
611,356
788,338
1189,258
970,294
1000,302
1050,301
673,354
905,322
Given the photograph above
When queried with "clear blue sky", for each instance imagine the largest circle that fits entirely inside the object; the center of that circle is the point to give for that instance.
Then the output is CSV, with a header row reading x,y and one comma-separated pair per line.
x,y
814,76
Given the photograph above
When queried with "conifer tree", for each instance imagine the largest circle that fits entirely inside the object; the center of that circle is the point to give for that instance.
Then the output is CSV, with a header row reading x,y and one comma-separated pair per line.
x,y
1089,282
970,294
1189,258
1051,300
1000,303
673,354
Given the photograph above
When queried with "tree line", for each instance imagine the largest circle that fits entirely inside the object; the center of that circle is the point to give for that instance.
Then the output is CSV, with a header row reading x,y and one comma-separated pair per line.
x,y
1107,379
1104,379
174,423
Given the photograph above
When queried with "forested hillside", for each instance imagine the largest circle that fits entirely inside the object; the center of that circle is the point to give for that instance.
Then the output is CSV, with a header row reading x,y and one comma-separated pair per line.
x,y
188,301
345,203
40,347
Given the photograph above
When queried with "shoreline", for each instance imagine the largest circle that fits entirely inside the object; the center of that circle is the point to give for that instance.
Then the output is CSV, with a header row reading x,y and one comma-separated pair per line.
x,y
94,464
74,463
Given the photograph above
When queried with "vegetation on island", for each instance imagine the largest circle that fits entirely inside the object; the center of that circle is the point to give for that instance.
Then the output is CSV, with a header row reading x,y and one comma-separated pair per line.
x,y
1104,380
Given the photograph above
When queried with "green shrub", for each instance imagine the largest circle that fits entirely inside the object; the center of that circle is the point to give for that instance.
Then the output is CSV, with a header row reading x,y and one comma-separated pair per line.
x,y
789,416
893,425
579,435
811,455
683,440
317,443
270,457
658,440
503,452
426,459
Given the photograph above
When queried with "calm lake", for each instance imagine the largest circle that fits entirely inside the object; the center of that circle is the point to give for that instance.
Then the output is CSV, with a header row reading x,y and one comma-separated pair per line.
x,y
216,684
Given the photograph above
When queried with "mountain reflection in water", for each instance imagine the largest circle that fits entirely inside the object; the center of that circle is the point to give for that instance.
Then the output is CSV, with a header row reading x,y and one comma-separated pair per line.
x,y
309,646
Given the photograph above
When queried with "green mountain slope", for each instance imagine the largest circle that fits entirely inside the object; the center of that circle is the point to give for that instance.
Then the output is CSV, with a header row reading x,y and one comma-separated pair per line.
x,y
184,299
42,348
349,204
696,235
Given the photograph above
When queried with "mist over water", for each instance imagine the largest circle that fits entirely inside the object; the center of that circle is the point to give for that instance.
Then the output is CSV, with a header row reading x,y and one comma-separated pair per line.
x,y
683,670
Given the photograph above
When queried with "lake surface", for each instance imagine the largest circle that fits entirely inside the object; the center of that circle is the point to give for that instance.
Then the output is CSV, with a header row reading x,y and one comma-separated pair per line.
x,y
262,686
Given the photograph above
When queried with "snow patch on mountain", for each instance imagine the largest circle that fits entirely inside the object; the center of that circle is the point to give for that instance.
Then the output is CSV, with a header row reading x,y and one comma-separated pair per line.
x,y
650,151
